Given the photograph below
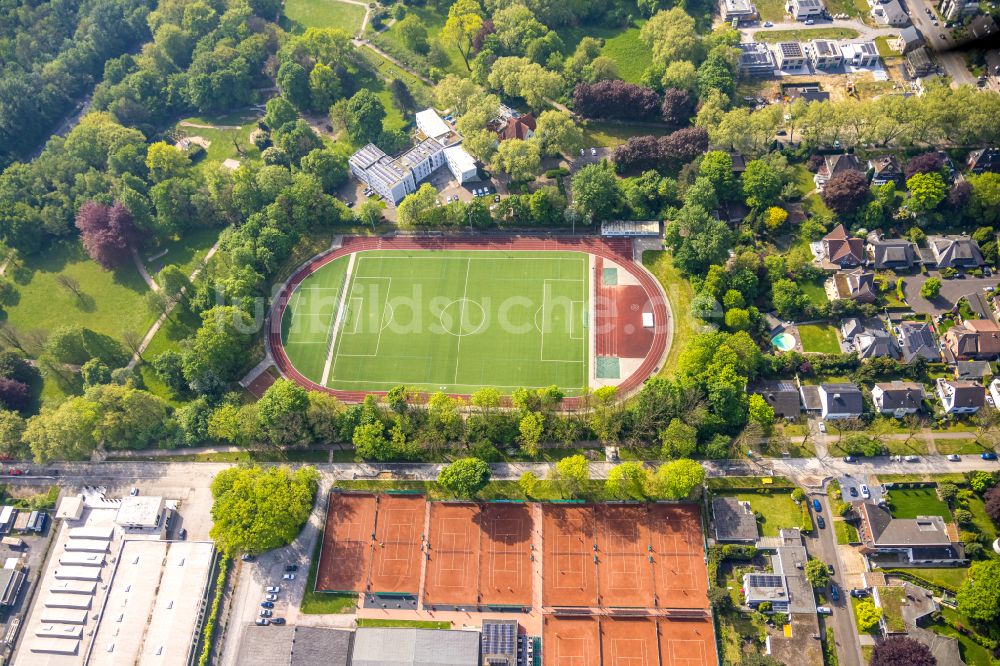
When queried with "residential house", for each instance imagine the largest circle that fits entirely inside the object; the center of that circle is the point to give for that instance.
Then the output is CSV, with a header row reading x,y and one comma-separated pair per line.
x,y
993,63
840,401
959,252
756,59
841,250
919,63
995,392
733,521
782,395
920,540
876,342
832,165
825,54
980,30
973,339
917,341
984,160
953,9
741,10
891,253
909,39
804,9
860,54
898,398
890,13
973,370
790,55
850,328
520,127
856,285
960,396
786,587
884,169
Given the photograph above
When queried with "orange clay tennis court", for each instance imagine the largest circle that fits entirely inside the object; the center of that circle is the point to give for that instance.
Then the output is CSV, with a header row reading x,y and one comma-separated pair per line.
x,y
505,554
398,529
452,575
678,556
570,641
687,642
569,572
624,572
347,543
629,642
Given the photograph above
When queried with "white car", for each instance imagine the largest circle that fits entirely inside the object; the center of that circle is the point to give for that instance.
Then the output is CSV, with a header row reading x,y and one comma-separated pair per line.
x,y
865,492
809,22
273,589
270,597
768,24
288,577
822,426
824,610
954,457
593,151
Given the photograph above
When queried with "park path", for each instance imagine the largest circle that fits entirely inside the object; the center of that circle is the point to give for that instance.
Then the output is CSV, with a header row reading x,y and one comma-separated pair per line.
x,y
154,329
185,123
397,63
141,267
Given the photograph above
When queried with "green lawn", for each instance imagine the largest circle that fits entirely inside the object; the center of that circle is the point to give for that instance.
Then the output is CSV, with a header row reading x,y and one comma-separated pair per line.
x,y
778,510
609,135
891,599
916,446
621,45
814,291
819,338
186,252
771,10
846,533
417,624
449,321
983,523
679,294
972,653
111,302
962,447
375,78
223,141
884,49
302,14
804,34
433,18
913,502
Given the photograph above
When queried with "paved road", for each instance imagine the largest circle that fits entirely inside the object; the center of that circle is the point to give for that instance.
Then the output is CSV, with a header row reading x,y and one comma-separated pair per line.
x,y
822,545
938,38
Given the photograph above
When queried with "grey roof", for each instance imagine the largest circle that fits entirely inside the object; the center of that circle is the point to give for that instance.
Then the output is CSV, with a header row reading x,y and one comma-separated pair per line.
x,y
909,35
392,646
733,520
874,342
966,393
886,531
954,251
295,646
901,395
782,395
851,327
842,398
893,253
972,369
266,646
810,397
787,583
918,340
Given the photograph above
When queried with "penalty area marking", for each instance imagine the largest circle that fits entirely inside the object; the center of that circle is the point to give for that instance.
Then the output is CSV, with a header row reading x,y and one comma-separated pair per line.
x,y
341,305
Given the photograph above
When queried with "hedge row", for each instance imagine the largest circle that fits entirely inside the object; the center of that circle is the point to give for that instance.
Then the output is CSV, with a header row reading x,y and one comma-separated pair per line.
x,y
208,632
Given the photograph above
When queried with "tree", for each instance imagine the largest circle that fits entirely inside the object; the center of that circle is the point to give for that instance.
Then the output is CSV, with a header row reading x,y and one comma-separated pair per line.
x,y
531,427
927,190
465,18
627,481
556,133
774,218
528,483
680,74
324,87
685,144
361,116
676,480
761,184
788,299
217,351
679,440
902,651
984,202
845,192
595,191
571,475
930,162
257,509
519,77
615,99
817,574
931,288
293,80
165,162
281,414
413,33
981,481
867,614
761,412
455,93
12,444
278,112
94,373
520,159
65,432
465,477
106,232
979,595
671,35
677,107
14,394
415,209
328,165
697,239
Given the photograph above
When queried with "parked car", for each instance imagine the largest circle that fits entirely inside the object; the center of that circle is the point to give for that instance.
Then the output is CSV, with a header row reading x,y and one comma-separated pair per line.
x,y
954,457
182,534
912,458
817,507
865,492
288,576
273,589
809,22
278,621
134,491
593,151
291,567
989,455
850,459
768,24
270,597
854,491
824,610
822,426
263,622
834,592
266,613
267,604
821,522
859,593
829,568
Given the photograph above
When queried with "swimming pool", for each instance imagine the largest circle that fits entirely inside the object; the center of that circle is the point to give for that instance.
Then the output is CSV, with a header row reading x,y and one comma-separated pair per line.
x,y
784,341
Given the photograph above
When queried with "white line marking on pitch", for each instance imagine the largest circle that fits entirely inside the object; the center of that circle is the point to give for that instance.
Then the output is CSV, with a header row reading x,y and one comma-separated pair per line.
x,y
338,316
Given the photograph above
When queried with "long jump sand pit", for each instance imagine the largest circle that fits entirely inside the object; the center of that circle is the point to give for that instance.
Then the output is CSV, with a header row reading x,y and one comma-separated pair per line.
x,y
570,574
452,575
396,562
347,543
570,641
629,642
679,571
505,554
624,570
687,642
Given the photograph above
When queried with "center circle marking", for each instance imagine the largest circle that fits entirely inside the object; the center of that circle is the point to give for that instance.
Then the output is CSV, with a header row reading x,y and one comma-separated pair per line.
x,y
457,315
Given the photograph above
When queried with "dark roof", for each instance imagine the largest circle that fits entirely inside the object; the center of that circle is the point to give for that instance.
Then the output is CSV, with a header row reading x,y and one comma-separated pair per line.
x,y
966,393
781,395
739,162
972,369
901,395
984,159
313,646
955,251
885,166
843,249
892,252
843,398
874,342
810,397
834,164
918,340
886,531
732,520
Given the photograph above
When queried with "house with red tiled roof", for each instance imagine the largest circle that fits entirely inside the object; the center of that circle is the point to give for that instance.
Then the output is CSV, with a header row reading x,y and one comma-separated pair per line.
x,y
522,127
841,250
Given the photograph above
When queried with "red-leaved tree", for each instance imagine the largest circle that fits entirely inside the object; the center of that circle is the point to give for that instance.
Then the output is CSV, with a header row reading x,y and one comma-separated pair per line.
x,y
845,192
14,394
106,232
993,504
615,99
901,651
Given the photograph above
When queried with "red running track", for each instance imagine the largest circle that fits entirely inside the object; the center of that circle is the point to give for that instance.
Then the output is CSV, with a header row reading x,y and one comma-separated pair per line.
x,y
618,250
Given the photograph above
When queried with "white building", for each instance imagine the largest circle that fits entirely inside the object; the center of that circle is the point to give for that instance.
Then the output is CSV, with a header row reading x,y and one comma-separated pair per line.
x,y
953,9
890,13
860,54
790,55
804,9
461,164
741,10
825,54
430,123
960,396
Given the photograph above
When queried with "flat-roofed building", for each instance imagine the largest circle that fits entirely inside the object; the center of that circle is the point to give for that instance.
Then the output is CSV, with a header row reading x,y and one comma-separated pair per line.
x,y
756,59
860,54
790,55
825,54
461,164
804,9
430,123
740,10
395,646
144,514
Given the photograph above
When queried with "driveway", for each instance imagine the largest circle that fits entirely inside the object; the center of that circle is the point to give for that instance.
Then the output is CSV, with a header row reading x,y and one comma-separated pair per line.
x,y
847,481
951,291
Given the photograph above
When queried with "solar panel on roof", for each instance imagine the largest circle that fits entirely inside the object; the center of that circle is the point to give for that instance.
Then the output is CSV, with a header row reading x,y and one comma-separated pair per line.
x,y
499,638
766,580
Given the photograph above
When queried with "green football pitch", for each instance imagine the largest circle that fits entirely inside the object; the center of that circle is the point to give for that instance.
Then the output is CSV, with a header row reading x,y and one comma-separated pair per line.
x,y
452,321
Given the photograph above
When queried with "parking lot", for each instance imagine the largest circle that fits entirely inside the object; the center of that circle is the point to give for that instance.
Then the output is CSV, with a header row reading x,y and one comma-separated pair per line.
x,y
849,483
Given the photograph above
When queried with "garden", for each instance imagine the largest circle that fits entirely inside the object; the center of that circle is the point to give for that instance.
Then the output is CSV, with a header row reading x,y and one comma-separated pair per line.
x,y
821,338
913,502
775,510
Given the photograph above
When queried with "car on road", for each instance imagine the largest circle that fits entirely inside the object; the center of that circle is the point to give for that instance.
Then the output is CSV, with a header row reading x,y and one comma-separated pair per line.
x,y
822,426
593,151
288,576
824,610
768,24
954,457
853,491
134,491
821,522
247,557
865,492
912,458
809,22
273,589
266,613
850,459
834,592
291,567
263,622
989,455
829,568
278,621
270,597
817,507
267,604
